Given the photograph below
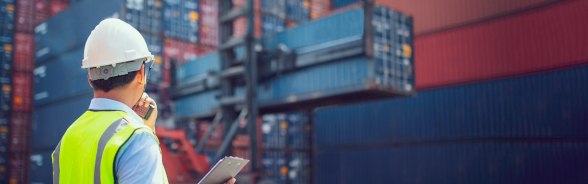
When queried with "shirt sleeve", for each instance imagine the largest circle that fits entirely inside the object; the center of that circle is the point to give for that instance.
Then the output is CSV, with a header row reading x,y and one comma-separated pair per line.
x,y
139,160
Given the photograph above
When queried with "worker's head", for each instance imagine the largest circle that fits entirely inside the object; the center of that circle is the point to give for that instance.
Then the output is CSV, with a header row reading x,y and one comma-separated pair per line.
x,y
117,59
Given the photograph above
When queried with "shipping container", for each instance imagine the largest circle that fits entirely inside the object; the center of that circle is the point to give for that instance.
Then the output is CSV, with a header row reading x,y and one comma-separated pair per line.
x,y
151,17
22,91
20,130
61,78
298,10
215,139
6,93
6,52
209,26
436,16
548,106
319,8
275,166
49,122
356,76
342,3
466,162
25,15
177,52
181,19
50,35
7,11
300,168
42,167
202,65
58,6
4,132
24,50
18,168
272,24
286,130
42,11
3,168
243,153
546,39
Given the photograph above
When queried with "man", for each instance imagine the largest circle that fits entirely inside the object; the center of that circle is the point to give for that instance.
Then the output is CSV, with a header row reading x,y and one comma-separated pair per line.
x,y
110,143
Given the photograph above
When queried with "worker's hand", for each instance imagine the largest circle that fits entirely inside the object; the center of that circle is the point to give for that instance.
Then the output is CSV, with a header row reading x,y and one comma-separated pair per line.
x,y
231,181
145,101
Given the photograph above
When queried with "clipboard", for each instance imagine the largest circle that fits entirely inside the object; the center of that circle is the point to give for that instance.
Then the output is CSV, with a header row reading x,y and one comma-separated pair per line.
x,y
224,170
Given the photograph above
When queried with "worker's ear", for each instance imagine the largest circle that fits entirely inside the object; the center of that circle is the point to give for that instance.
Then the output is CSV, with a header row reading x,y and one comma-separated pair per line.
x,y
141,75
89,81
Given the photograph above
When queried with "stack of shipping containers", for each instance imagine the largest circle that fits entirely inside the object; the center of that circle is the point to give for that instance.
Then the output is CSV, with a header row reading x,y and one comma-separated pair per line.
x,y
6,36
500,87
501,92
285,137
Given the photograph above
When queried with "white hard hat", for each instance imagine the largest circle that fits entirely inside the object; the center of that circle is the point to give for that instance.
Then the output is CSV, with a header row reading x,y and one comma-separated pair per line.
x,y
114,41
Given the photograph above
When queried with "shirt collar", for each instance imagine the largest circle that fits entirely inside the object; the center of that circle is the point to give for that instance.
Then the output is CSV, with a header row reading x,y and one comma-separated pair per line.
x,y
103,104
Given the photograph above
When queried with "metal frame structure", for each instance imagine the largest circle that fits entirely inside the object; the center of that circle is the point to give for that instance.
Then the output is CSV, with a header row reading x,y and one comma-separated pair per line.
x,y
232,68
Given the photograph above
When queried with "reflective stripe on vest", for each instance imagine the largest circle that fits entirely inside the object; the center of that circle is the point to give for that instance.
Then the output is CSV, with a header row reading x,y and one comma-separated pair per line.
x,y
87,152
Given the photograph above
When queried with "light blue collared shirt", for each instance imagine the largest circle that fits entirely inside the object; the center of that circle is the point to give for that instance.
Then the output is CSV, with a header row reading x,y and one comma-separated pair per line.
x,y
139,159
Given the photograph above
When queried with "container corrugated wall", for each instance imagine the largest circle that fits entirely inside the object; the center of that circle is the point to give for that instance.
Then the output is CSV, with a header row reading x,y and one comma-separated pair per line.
x,y
6,49
434,15
4,133
467,162
61,78
546,105
49,123
41,167
181,19
534,41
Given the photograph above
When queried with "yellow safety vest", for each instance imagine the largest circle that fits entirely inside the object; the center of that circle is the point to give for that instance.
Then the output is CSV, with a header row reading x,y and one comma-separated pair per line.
x,y
87,152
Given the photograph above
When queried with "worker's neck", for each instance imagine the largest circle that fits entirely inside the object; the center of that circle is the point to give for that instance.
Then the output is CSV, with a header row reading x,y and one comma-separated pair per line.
x,y
118,95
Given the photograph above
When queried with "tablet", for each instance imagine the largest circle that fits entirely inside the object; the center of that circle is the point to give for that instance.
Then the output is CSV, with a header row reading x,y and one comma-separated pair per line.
x,y
224,170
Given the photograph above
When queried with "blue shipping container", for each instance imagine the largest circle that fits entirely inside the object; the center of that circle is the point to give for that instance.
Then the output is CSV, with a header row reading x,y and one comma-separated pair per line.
x,y
4,132
181,19
6,92
206,64
341,3
286,130
274,7
41,167
272,24
449,163
50,123
549,105
7,14
57,35
298,10
200,104
61,78
6,42
3,168
275,166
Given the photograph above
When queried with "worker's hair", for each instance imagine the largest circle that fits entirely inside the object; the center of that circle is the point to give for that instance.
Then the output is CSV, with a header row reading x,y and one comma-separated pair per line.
x,y
114,82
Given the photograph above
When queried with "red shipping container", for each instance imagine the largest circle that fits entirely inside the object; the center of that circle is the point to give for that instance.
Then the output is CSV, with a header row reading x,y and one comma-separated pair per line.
x,y
24,50
58,6
22,91
18,168
240,24
209,22
215,139
25,15
539,40
19,135
243,153
242,141
319,8
42,10
435,15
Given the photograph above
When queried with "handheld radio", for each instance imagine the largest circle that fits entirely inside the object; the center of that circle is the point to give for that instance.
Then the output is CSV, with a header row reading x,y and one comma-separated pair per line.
x,y
142,111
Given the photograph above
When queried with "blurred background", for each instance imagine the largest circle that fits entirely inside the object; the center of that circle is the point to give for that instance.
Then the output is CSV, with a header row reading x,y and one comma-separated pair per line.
x,y
319,91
